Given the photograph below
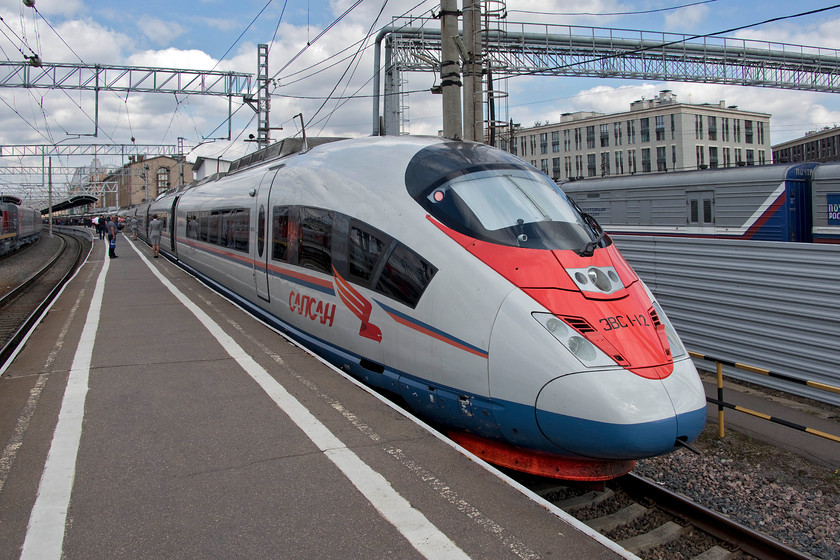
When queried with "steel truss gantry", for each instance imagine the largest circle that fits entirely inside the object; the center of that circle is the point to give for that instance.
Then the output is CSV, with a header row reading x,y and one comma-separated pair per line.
x,y
100,77
561,50
558,50
27,150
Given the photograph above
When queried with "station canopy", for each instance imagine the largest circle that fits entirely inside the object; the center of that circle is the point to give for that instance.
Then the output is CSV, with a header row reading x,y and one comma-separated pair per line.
x,y
72,202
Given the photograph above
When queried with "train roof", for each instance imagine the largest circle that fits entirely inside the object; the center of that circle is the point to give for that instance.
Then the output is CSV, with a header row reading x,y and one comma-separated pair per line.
x,y
729,175
279,149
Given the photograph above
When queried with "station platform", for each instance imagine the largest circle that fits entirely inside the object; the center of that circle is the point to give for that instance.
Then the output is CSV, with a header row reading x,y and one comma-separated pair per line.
x,y
147,417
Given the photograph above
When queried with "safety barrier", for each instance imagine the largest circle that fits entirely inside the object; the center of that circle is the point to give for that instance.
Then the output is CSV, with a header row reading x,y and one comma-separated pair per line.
x,y
721,404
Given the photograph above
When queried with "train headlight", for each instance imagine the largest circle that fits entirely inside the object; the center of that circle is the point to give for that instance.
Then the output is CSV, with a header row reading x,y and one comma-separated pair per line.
x,y
677,348
588,354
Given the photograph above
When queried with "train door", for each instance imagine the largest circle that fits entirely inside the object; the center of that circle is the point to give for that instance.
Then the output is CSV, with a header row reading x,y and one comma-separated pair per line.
x,y
262,224
173,218
799,219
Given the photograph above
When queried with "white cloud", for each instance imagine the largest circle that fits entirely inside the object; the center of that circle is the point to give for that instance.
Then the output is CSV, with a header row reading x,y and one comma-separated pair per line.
x,y
158,31
687,19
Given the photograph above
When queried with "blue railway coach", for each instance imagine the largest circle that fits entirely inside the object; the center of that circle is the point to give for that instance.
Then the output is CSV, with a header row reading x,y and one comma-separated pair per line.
x,y
765,203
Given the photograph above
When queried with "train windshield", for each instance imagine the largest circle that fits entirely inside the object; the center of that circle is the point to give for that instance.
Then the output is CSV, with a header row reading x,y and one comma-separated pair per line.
x,y
513,206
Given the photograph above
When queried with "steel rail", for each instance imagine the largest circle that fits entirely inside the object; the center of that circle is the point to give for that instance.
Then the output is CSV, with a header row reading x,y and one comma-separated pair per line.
x,y
748,540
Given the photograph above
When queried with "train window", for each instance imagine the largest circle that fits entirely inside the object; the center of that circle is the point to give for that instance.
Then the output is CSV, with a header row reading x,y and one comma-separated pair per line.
x,y
316,239
192,225
405,276
204,220
701,208
213,227
237,225
280,234
365,249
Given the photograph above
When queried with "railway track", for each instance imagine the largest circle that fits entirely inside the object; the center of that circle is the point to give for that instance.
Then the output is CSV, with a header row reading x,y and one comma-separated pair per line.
x,y
656,524
21,307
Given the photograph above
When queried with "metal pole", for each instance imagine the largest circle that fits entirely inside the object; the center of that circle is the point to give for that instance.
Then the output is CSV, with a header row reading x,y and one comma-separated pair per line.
x,y
450,71
49,196
721,431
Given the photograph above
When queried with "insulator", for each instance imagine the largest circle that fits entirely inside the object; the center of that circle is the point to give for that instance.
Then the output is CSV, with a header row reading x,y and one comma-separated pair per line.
x,y
29,3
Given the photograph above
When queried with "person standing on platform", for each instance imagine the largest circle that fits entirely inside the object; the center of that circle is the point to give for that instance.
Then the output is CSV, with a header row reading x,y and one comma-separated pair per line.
x,y
155,227
133,226
111,227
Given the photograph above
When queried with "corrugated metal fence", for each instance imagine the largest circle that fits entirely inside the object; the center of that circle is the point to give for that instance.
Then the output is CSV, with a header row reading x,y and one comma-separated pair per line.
x,y
767,304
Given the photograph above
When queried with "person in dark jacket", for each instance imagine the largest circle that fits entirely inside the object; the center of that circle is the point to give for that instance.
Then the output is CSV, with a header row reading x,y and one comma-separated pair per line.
x,y
111,227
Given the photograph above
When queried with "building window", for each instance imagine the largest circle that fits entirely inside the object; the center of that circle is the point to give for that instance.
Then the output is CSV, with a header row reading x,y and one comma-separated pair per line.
x,y
736,129
544,165
555,168
738,159
605,164
645,160
543,142
748,132
725,128
567,161
660,127
590,136
567,141
555,141
605,135
661,161
674,158
701,157
712,128
698,127
590,161
619,163
760,129
750,157
713,156
726,159
644,129
578,139
761,157
162,179
631,132
533,144
617,133
631,161
578,166
673,127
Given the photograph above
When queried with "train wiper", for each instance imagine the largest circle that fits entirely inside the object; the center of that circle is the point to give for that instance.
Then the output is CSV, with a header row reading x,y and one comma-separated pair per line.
x,y
589,249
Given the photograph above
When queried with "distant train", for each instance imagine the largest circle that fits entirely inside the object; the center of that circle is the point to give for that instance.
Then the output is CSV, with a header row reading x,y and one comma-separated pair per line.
x,y
785,202
457,277
19,225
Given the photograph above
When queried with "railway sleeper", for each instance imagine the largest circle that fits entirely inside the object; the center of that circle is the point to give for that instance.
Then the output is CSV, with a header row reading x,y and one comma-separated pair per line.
x,y
665,533
621,517
594,498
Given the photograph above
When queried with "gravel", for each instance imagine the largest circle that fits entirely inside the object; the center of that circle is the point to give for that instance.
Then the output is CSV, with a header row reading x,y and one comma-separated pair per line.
x,y
765,488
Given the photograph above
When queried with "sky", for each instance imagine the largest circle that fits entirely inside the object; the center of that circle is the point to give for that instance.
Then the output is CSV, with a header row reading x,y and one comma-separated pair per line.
x,y
333,97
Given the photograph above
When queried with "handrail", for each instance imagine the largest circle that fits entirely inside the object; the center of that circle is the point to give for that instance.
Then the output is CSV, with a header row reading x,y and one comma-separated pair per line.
x,y
721,403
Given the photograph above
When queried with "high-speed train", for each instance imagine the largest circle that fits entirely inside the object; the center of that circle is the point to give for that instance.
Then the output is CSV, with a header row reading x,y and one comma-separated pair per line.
x,y
19,225
457,277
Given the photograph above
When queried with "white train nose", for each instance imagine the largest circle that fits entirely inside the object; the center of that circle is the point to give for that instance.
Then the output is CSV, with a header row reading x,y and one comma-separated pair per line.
x,y
608,415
